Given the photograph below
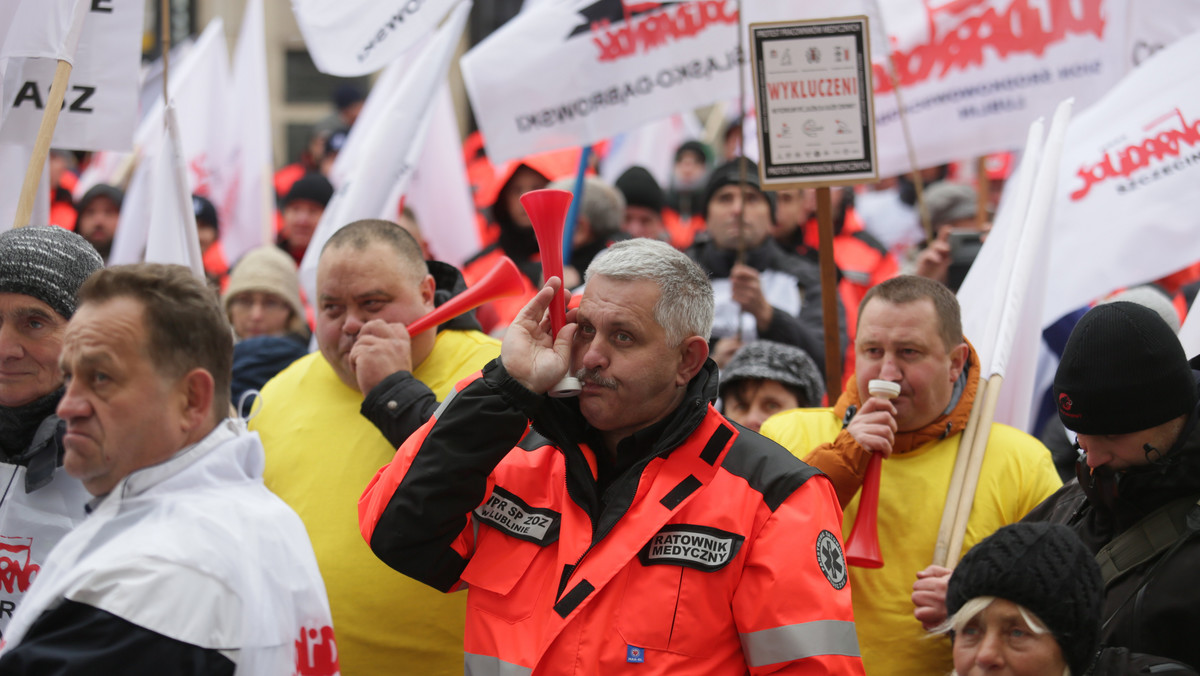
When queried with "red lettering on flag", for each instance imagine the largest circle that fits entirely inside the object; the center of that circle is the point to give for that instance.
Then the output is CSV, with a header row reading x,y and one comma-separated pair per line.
x,y
649,32
960,30
1137,156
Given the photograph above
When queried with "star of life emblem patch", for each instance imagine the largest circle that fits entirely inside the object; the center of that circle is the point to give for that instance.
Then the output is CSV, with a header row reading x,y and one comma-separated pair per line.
x,y
700,547
509,514
831,560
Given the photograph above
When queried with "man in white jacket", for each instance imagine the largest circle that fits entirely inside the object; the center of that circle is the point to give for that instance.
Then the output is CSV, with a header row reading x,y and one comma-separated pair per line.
x,y
186,564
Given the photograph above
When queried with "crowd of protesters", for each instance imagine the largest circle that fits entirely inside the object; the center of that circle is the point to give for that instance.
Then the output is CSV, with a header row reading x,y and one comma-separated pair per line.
x,y
224,476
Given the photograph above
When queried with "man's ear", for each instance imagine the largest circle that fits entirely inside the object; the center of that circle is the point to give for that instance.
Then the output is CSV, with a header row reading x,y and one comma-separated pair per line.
x,y
197,389
427,288
958,360
693,352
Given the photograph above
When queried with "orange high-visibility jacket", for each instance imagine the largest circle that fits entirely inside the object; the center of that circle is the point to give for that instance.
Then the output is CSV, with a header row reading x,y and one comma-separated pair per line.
x,y
714,552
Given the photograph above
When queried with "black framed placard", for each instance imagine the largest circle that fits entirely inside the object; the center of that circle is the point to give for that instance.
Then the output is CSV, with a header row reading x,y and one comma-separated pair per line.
x,y
814,102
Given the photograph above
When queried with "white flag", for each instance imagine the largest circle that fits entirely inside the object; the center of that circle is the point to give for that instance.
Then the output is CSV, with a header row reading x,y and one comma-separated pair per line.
x,y
246,207
440,195
356,37
392,146
1126,207
374,108
14,160
651,147
199,87
1189,333
973,75
46,29
172,237
100,108
1009,290
576,72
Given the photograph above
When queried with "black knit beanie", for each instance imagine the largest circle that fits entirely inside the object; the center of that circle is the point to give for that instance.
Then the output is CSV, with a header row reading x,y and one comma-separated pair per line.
x,y
47,263
640,189
1123,370
730,173
1045,568
312,187
695,148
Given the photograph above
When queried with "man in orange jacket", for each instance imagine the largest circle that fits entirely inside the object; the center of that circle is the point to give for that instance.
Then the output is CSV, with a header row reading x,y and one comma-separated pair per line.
x,y
633,529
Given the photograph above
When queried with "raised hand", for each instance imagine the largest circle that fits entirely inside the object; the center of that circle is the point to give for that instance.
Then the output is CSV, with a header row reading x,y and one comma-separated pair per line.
x,y
874,426
530,353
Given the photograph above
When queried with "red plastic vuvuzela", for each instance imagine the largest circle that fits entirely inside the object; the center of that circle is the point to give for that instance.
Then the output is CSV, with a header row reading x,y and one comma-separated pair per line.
x,y
504,279
547,211
862,547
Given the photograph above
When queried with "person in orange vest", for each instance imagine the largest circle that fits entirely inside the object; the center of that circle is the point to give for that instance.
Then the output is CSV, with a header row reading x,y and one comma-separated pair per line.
x,y
63,180
685,194
634,529
212,253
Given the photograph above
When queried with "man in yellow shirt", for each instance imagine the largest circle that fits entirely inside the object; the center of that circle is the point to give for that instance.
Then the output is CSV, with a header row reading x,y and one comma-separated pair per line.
x,y
332,419
910,333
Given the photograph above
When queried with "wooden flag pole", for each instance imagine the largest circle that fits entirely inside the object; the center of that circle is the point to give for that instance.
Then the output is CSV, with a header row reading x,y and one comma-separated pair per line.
x,y
981,185
41,145
971,480
958,475
833,347
165,43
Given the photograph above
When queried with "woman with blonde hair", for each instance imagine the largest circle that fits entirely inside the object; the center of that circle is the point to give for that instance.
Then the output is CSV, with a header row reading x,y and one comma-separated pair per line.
x,y
1027,601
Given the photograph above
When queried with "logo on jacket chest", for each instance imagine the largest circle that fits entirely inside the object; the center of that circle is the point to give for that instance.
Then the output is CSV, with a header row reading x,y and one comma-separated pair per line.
x,y
509,514
17,568
700,547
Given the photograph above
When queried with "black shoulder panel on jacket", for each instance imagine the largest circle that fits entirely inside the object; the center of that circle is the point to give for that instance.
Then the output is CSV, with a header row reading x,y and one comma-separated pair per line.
x,y
871,241
76,639
768,467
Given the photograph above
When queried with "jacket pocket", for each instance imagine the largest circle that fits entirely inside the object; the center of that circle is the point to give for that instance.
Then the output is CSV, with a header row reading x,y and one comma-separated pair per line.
x,y
677,609
494,576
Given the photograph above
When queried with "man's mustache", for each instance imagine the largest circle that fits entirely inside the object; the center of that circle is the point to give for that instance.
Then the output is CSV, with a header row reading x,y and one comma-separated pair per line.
x,y
593,376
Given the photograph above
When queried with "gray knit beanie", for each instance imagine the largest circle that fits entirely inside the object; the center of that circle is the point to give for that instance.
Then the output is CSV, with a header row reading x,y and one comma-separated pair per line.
x,y
47,263
786,364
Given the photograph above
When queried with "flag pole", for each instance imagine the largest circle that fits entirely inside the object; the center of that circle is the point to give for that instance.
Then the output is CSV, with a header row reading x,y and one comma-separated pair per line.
x,y
741,220
958,477
833,347
165,43
41,145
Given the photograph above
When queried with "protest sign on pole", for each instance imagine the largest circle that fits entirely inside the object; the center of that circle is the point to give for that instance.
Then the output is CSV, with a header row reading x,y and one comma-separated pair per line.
x,y
813,109
356,37
814,103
